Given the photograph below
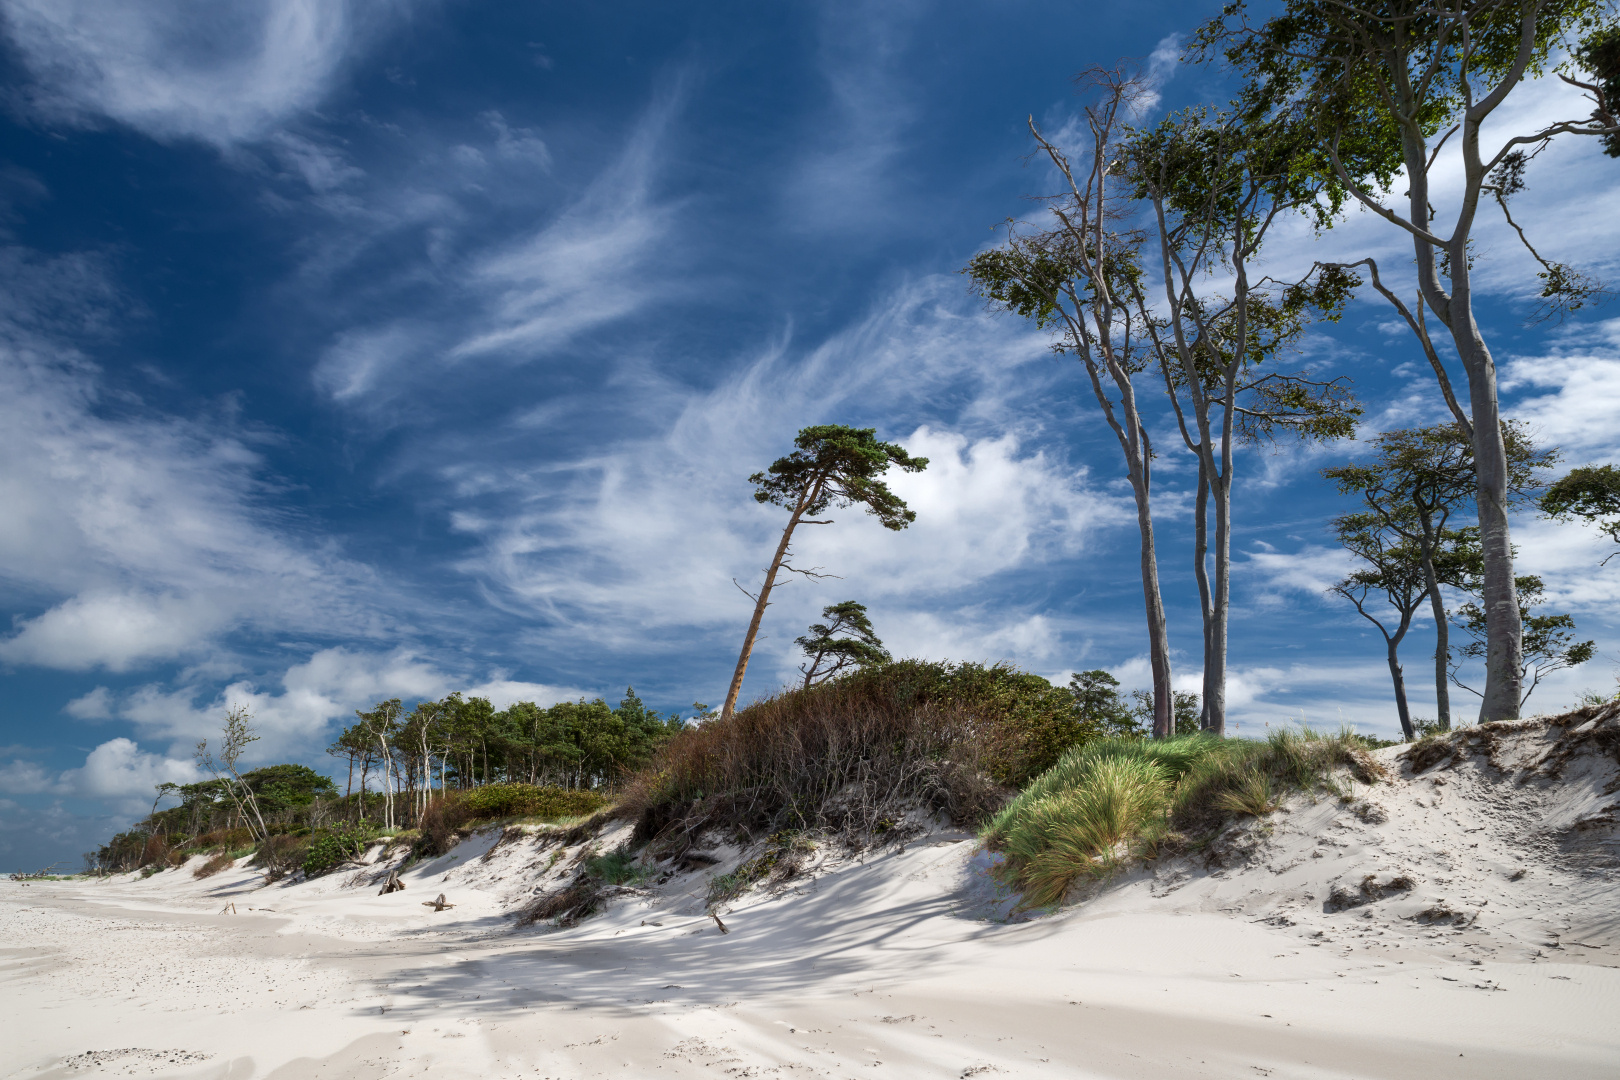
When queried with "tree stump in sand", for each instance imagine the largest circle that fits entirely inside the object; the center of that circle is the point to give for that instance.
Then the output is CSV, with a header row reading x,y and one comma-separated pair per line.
x,y
438,905
393,884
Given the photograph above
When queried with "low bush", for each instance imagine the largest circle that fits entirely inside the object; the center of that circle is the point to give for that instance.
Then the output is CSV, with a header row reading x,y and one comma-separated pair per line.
x,y
1114,800
223,839
528,800
214,865
853,754
329,848
278,856
615,868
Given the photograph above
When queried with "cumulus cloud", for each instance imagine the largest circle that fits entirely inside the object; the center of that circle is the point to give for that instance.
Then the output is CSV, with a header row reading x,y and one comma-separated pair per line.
x,y
186,68
297,710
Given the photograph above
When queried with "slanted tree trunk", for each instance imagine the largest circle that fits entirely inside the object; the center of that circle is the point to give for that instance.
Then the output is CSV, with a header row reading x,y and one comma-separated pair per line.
x,y
762,601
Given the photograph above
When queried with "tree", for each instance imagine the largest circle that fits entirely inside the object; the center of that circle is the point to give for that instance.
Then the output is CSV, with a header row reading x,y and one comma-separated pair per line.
x,y
1397,566
833,465
1549,640
1188,712
1591,494
1418,479
1100,708
381,724
1216,186
1077,279
235,737
1383,89
830,654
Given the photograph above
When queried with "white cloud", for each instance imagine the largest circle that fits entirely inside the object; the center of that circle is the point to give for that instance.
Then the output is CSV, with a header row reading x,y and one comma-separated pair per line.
x,y
1572,396
119,769
94,705
299,711
222,73
25,778
140,537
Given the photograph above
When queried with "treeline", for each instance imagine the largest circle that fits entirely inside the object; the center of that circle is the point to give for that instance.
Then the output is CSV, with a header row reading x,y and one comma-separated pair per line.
x,y
400,767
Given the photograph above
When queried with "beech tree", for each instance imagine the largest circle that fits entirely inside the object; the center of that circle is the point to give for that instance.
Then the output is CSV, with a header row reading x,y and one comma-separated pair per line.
x,y
1396,568
1418,479
1216,187
1589,494
829,654
1549,639
832,466
1383,88
1077,279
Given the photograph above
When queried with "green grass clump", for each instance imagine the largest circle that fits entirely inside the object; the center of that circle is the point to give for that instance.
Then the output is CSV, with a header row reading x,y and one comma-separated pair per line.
x,y
1114,800
615,868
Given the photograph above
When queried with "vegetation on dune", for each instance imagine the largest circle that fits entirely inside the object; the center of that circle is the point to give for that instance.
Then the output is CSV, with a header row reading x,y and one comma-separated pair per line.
x,y
1114,800
854,754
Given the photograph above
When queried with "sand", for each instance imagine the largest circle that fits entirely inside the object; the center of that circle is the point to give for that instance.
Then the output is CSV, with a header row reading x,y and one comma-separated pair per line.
x,y
1485,944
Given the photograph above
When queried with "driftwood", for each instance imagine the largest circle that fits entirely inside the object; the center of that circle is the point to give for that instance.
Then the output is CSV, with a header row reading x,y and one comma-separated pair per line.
x,y
393,884
718,923
438,905
229,907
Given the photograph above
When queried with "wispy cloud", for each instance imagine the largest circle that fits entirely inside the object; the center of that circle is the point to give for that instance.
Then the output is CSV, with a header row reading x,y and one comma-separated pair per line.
x,y
223,74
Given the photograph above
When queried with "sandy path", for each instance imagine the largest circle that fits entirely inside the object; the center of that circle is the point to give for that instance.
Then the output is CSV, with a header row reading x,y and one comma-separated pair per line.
x,y
874,973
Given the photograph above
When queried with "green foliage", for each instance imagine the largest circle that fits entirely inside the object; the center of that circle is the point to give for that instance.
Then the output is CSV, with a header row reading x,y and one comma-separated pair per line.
x,y
857,751
1599,55
1549,640
831,655
286,787
615,868
528,800
1114,800
835,465
1099,708
329,848
779,859
1590,494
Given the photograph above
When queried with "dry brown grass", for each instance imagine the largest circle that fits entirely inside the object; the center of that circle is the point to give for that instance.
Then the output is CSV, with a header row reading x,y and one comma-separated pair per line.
x,y
850,757
222,861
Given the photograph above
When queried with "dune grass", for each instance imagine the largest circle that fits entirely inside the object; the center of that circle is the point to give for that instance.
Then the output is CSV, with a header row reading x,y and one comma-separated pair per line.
x,y
1112,801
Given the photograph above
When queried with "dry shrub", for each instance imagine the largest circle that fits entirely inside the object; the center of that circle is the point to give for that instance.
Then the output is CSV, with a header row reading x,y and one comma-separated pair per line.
x,y
156,851
848,756
568,906
278,856
222,861
229,839
440,824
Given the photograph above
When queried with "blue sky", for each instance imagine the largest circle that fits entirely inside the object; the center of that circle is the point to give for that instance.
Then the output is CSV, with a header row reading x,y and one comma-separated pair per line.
x,y
365,350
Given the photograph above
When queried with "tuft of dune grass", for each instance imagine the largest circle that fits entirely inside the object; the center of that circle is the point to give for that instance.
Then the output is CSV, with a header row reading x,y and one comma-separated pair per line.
x,y
1114,800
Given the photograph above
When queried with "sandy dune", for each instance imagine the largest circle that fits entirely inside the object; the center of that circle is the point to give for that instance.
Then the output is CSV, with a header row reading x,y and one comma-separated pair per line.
x,y
1461,922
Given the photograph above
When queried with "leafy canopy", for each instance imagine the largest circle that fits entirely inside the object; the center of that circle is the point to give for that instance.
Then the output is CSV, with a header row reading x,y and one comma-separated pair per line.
x,y
836,465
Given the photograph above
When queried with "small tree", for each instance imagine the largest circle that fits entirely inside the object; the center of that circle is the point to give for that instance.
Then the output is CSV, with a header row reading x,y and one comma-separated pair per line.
x,y
381,725
1418,479
1100,707
829,654
236,736
1549,640
1590,494
1393,567
833,465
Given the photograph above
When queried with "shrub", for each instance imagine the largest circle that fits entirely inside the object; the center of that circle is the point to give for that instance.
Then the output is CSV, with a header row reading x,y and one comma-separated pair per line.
x,y
853,754
278,855
331,847
214,865
1115,799
615,868
527,800
226,839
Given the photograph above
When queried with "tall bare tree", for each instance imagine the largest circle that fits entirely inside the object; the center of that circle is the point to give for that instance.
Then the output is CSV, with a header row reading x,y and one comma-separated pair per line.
x,y
1076,278
832,465
1216,187
235,737
1383,88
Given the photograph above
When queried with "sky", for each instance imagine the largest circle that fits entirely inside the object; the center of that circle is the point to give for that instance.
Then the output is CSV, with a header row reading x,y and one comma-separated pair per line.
x,y
363,350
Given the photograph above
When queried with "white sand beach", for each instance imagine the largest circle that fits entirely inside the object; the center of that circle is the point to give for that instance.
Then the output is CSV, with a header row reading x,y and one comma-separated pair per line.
x,y
1458,922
